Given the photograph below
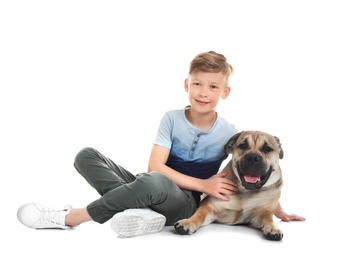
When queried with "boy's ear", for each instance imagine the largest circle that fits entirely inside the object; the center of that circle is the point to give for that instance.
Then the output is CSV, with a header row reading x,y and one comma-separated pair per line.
x,y
226,92
186,85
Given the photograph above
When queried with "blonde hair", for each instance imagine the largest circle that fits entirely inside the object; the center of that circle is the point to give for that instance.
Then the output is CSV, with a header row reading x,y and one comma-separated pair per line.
x,y
211,62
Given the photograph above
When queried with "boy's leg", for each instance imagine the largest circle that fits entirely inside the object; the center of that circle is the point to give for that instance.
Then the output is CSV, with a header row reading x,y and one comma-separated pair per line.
x,y
101,172
153,190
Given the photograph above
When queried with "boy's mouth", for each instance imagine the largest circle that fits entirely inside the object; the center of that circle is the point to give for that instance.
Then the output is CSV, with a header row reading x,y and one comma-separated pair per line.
x,y
202,102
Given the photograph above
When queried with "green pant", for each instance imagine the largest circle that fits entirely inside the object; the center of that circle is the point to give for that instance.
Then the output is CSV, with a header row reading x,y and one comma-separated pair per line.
x,y
121,190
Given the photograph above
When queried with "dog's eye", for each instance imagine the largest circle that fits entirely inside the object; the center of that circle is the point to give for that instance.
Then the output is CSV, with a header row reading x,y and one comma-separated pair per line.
x,y
243,146
267,149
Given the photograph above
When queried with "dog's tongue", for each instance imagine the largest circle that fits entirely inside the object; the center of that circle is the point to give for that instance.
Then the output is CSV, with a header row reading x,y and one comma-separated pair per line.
x,y
252,179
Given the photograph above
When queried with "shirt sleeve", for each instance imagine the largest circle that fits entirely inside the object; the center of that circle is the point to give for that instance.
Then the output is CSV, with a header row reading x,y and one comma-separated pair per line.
x,y
164,134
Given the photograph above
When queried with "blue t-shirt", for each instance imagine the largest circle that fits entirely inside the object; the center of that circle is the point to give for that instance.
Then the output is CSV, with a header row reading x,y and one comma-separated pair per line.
x,y
193,152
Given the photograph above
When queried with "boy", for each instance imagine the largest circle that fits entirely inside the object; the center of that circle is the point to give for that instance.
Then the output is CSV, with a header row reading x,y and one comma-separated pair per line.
x,y
186,155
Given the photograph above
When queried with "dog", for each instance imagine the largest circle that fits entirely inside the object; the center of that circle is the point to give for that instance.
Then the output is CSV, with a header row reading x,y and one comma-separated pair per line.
x,y
254,166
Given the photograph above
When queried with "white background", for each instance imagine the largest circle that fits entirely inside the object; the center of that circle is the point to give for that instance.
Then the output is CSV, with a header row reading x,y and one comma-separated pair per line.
x,y
102,74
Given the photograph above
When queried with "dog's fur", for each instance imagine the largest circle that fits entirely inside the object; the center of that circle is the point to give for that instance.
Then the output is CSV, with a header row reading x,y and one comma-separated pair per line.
x,y
254,166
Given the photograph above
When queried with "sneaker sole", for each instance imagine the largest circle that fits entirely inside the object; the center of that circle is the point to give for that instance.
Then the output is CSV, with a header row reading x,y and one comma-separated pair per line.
x,y
135,225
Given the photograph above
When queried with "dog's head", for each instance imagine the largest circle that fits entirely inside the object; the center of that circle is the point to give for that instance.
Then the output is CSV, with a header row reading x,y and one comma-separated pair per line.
x,y
255,158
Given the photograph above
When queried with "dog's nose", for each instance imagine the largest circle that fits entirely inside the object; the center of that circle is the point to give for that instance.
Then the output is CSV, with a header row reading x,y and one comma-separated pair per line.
x,y
253,158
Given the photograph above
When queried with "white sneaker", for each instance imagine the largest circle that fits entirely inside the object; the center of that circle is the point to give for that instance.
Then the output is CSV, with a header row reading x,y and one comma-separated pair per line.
x,y
137,222
37,216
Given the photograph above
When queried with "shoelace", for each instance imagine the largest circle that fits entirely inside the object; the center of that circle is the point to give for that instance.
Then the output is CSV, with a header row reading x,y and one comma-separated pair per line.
x,y
55,216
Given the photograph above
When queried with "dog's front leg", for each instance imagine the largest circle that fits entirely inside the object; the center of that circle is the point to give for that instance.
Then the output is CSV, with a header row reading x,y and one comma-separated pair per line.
x,y
265,223
204,215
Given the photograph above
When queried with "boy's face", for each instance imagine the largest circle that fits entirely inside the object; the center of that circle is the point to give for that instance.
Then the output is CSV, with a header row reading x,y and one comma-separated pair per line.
x,y
205,90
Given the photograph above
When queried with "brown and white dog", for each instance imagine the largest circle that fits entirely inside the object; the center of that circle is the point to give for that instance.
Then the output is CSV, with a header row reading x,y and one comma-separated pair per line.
x,y
254,166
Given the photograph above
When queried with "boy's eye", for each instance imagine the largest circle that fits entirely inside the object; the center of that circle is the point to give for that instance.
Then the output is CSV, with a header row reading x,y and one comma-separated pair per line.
x,y
196,84
214,87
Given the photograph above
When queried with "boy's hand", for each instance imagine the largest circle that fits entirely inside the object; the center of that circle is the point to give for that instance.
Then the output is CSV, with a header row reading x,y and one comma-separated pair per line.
x,y
281,214
218,186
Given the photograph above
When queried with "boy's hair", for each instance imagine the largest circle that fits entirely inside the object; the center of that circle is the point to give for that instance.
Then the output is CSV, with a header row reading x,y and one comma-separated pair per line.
x,y
211,62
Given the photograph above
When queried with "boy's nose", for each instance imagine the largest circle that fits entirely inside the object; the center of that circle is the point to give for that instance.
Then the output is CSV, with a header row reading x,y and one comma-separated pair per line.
x,y
202,92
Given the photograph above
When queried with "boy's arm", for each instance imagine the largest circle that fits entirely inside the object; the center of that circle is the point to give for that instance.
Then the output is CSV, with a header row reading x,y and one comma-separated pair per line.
x,y
157,162
216,186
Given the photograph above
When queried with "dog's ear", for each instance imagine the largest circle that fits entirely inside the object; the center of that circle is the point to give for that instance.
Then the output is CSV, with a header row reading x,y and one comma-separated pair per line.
x,y
229,145
281,153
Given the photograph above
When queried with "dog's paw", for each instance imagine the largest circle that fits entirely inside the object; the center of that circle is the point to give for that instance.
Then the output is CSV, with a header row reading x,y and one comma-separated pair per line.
x,y
273,234
183,227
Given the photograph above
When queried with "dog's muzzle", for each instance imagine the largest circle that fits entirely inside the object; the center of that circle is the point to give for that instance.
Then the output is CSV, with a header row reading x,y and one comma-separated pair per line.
x,y
253,172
